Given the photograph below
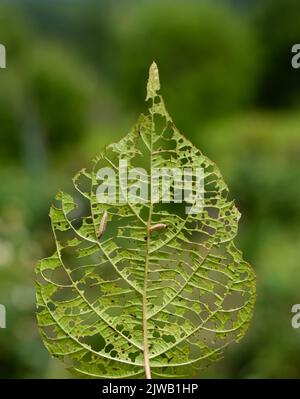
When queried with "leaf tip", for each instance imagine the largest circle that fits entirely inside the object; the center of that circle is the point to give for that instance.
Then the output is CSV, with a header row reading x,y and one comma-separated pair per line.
x,y
153,85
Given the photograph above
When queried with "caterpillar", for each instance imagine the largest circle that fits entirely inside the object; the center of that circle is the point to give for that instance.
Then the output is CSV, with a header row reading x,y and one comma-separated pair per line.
x,y
102,226
156,227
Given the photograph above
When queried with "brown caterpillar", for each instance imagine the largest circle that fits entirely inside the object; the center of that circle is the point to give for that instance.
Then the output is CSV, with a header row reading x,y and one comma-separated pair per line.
x,y
102,226
156,227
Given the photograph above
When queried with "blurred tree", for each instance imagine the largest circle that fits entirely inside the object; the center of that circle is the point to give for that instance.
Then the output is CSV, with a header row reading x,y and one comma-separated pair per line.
x,y
46,96
278,28
206,54
86,25
60,91
15,35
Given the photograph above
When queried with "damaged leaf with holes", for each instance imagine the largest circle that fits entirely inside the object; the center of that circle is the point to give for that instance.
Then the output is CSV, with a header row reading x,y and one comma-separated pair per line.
x,y
133,302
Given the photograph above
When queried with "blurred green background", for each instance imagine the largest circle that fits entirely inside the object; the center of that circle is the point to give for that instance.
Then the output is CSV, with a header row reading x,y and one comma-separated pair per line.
x,y
75,80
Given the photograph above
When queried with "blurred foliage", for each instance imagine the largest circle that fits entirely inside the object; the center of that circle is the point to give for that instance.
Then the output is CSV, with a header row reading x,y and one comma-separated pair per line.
x,y
277,24
198,73
74,82
46,96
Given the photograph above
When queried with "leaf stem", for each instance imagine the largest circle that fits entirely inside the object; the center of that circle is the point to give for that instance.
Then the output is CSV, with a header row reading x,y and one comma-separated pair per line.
x,y
145,329
145,316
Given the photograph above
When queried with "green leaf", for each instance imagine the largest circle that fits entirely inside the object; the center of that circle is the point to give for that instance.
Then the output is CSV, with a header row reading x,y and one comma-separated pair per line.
x,y
136,299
